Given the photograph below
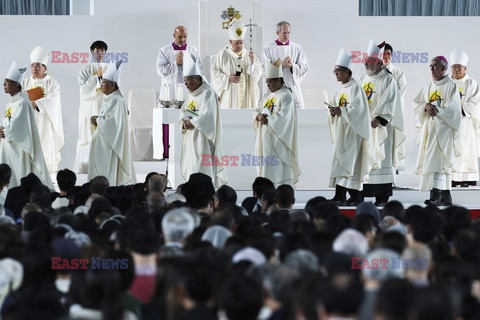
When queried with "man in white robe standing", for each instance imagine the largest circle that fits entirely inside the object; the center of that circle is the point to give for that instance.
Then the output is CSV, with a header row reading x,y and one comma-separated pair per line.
x,y
89,80
349,122
236,72
48,108
438,115
275,128
201,125
387,122
170,70
467,163
399,76
294,61
20,145
110,154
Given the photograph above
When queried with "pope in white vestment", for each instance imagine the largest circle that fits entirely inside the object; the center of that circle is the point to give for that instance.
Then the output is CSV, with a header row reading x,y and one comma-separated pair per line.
x,y
91,96
236,72
294,61
20,145
438,114
202,145
110,154
387,122
467,162
349,122
275,128
49,108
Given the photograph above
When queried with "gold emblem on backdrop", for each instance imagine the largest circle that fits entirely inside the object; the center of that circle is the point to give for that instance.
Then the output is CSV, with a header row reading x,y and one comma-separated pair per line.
x,y
228,15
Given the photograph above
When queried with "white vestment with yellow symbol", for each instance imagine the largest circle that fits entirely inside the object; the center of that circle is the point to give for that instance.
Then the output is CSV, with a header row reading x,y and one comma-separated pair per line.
x,y
49,119
202,144
353,151
21,148
110,154
467,162
381,91
91,98
277,141
439,138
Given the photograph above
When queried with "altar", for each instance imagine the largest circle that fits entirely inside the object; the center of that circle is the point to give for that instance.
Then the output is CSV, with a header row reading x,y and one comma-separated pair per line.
x,y
314,146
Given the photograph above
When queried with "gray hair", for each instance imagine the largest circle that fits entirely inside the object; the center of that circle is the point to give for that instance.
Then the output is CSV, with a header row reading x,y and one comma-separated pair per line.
x,y
393,266
177,224
280,24
302,261
279,282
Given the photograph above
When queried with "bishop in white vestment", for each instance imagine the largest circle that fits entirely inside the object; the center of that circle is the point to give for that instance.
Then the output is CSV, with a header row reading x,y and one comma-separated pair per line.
x,y
20,145
201,125
48,108
275,128
110,154
236,72
381,91
349,122
91,96
294,61
467,163
438,114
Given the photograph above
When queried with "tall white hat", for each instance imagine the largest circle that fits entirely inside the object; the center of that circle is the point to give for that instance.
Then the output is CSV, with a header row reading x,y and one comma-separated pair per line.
x,y
344,59
39,55
236,30
15,73
373,50
273,70
458,56
190,68
114,72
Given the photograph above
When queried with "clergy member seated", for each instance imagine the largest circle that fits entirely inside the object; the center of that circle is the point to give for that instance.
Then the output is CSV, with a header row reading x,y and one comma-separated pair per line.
x,y
44,93
236,72
20,145
110,154
201,128
275,128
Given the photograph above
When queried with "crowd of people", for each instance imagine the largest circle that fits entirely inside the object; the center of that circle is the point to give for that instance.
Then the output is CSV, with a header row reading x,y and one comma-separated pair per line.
x,y
144,251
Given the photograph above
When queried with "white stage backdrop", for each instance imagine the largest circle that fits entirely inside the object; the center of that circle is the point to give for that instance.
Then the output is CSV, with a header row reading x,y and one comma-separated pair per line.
x,y
139,28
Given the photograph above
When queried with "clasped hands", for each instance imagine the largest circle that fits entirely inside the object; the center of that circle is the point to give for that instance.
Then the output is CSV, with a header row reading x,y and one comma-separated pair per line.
x,y
187,125
262,118
431,109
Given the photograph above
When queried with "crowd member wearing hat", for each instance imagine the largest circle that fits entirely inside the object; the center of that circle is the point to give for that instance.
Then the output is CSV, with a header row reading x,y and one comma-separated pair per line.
x,y
91,97
386,116
48,107
467,166
438,114
294,61
201,127
170,70
20,144
110,154
236,72
351,135
275,128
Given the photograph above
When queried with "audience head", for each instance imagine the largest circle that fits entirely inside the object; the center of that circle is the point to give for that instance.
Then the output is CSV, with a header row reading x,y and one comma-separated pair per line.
x,y
284,197
99,185
66,179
